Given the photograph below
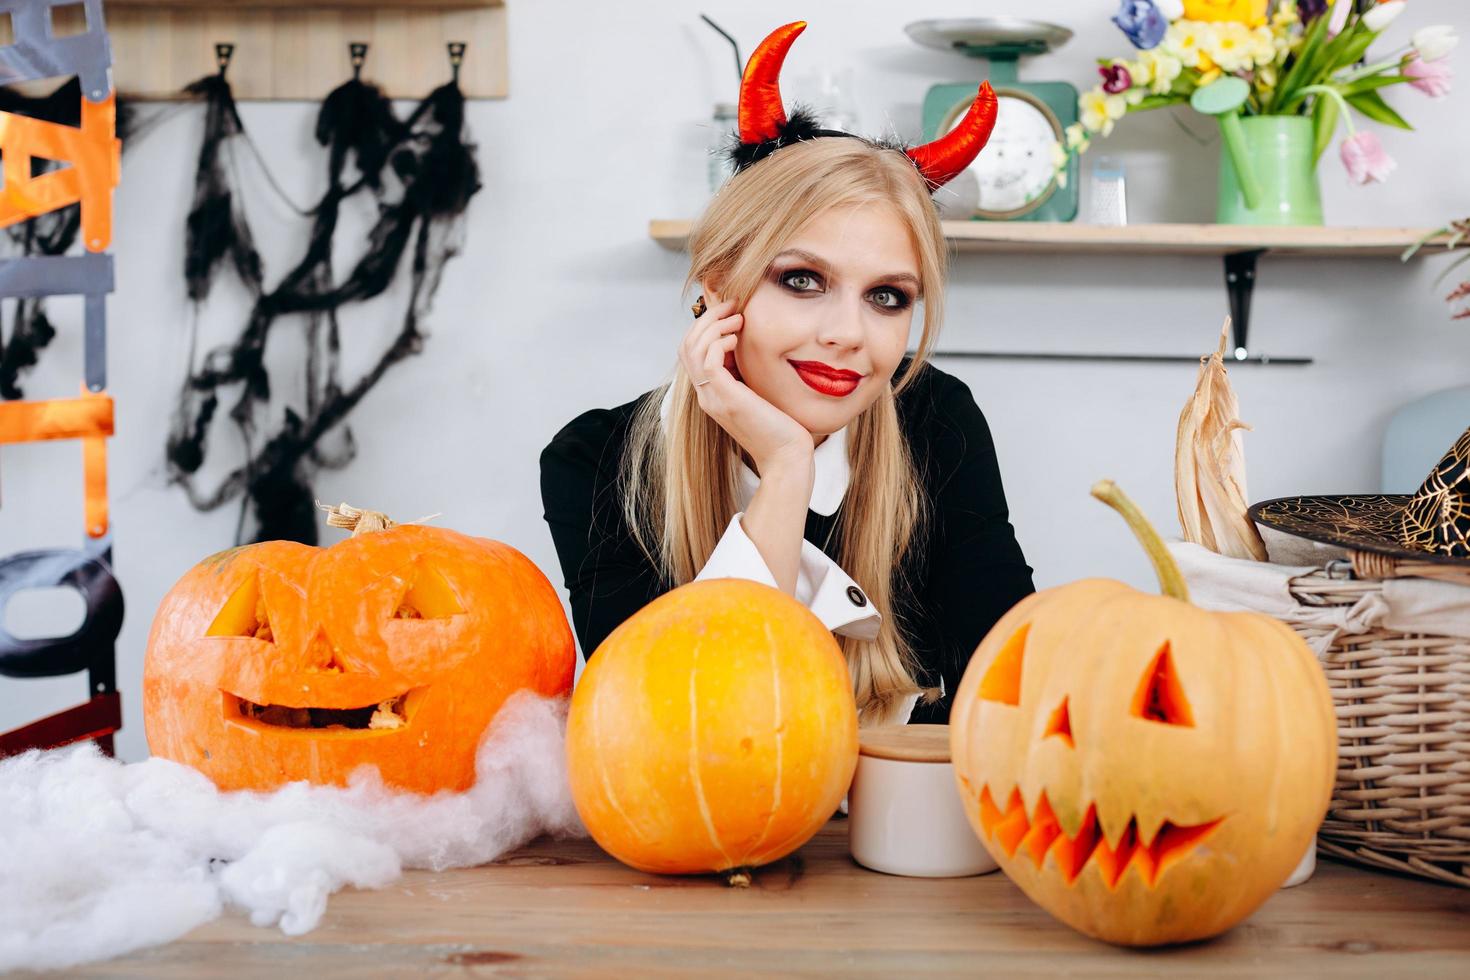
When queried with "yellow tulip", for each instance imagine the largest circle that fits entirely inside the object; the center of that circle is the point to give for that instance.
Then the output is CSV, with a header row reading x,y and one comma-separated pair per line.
x,y
1249,12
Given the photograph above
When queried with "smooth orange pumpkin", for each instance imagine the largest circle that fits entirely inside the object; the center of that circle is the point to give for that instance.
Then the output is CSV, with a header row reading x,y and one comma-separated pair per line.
x,y
1146,771
713,730
394,648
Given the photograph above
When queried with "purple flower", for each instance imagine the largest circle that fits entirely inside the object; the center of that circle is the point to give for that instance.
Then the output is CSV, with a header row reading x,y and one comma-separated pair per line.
x,y
1143,22
1365,158
1115,79
1310,10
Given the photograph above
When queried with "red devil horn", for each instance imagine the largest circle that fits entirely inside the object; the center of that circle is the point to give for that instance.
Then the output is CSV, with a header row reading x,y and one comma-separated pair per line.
x,y
941,160
761,113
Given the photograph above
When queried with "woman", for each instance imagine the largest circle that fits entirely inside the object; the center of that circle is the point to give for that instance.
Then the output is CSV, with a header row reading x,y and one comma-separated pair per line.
x,y
796,445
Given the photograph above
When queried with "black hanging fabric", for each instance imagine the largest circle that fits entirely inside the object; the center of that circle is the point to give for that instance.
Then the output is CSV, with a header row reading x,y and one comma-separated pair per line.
x,y
216,229
421,174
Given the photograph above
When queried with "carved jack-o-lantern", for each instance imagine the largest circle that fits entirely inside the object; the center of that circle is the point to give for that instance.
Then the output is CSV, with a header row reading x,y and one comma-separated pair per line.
x,y
395,648
1146,771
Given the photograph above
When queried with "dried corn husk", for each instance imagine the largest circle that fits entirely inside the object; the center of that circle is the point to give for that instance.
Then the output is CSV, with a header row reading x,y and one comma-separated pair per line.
x,y
1209,465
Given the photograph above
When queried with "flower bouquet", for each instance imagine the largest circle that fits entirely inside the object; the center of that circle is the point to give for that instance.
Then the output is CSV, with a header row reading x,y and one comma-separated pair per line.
x,y
1281,75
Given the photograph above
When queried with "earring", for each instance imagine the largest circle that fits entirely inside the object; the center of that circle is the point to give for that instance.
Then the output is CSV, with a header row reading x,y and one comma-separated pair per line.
x,y
699,306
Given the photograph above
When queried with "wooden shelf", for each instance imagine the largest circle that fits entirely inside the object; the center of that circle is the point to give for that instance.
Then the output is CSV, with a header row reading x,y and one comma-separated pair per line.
x,y
1160,239
297,49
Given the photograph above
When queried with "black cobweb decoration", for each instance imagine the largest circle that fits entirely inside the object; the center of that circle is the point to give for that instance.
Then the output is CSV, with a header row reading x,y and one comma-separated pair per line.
x,y
420,173
54,233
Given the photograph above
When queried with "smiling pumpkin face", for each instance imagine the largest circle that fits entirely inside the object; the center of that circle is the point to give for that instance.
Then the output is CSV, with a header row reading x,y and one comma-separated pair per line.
x,y
1146,771
279,661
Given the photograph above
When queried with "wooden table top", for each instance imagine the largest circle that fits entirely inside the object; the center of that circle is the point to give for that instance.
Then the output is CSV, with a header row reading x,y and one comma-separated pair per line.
x,y
564,908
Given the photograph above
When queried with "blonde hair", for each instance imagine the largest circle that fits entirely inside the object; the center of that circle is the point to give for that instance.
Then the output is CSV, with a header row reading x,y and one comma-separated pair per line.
x,y
680,485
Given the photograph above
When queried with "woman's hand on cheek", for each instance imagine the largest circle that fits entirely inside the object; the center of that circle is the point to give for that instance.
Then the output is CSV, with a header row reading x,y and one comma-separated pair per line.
x,y
769,435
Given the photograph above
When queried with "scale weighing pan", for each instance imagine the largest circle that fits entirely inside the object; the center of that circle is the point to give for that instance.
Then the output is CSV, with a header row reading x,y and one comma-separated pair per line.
x,y
988,35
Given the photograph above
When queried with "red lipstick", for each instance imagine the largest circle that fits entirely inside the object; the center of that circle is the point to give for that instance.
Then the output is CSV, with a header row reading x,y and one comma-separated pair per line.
x,y
825,379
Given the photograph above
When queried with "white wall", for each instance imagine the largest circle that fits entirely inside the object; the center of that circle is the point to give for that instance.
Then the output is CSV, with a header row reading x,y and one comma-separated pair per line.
x,y
561,302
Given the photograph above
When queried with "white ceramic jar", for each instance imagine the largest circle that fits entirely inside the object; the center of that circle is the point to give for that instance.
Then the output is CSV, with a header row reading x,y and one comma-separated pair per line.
x,y
1305,867
903,811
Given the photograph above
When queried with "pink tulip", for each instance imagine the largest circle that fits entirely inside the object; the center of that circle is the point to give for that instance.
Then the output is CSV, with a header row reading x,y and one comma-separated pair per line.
x,y
1365,159
1430,77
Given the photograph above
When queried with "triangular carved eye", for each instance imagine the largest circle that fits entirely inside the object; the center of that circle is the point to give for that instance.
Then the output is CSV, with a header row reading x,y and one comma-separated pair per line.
x,y
429,596
1160,695
1060,724
1002,681
244,614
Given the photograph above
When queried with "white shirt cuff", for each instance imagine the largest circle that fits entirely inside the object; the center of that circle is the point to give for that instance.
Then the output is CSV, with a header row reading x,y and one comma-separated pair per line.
x,y
821,584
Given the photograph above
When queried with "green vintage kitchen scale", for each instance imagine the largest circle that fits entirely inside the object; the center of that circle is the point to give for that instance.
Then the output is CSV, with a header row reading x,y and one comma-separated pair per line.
x,y
1015,172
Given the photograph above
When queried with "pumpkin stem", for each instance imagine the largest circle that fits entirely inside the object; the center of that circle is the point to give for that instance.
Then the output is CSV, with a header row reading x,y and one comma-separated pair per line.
x,y
355,519
1171,582
738,877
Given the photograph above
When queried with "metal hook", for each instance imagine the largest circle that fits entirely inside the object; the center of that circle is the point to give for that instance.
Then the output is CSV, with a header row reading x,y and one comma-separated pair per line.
x,y
456,57
357,51
223,52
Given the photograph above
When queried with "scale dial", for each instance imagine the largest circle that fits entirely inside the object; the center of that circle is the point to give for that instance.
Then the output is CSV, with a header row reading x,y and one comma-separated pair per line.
x,y
1015,171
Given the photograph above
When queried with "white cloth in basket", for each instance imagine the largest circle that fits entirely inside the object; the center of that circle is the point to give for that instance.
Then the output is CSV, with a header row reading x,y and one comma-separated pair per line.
x,y
1410,605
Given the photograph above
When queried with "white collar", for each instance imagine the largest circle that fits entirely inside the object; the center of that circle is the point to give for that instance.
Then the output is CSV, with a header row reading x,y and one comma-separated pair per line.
x,y
829,459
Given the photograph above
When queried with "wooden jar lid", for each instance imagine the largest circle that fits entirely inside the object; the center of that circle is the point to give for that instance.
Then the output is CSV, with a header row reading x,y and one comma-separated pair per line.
x,y
905,743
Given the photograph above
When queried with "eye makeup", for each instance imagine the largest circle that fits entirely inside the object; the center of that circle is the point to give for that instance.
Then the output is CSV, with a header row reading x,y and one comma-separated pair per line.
x,y
902,299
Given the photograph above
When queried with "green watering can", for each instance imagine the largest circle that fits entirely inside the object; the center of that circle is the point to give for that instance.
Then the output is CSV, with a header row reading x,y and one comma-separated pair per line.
x,y
1268,169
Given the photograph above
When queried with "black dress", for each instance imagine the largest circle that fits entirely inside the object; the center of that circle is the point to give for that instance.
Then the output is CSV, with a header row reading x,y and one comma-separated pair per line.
x,y
965,571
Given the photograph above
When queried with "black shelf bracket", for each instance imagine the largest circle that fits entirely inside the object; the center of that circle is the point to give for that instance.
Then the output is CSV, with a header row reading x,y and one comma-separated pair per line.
x,y
1240,284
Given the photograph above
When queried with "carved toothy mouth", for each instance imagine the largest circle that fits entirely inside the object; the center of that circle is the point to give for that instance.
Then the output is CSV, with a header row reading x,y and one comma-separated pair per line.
x,y
1040,834
381,718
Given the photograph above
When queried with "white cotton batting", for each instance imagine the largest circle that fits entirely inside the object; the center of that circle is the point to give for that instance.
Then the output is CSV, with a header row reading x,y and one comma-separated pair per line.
x,y
98,858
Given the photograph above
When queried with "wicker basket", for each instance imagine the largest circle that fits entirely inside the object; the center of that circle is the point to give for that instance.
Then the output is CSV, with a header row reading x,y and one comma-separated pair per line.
x,y
1402,798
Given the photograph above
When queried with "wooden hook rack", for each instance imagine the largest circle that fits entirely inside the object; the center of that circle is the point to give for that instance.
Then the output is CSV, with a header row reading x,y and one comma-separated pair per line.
x,y
300,49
